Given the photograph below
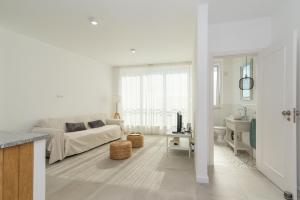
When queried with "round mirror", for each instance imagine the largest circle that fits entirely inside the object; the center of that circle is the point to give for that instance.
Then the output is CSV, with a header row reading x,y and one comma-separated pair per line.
x,y
246,83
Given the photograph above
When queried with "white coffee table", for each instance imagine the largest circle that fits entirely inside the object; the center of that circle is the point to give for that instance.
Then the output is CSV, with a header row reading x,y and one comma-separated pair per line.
x,y
184,145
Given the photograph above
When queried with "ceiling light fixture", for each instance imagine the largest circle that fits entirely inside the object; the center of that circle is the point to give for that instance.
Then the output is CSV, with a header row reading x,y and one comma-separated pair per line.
x,y
93,21
132,51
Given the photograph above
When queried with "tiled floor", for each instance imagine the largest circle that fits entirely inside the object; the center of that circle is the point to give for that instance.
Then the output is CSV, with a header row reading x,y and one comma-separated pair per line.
x,y
237,178
150,174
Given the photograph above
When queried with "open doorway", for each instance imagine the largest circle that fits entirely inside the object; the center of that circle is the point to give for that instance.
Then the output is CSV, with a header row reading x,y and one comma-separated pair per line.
x,y
234,109
273,101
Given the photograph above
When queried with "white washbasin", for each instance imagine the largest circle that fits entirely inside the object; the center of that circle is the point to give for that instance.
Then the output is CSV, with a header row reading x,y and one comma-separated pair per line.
x,y
237,120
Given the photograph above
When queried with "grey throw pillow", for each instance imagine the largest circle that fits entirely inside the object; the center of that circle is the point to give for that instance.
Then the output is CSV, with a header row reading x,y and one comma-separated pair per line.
x,y
73,127
96,124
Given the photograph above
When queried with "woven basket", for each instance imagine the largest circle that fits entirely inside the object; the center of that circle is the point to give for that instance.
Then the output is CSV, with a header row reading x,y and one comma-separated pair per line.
x,y
120,150
137,139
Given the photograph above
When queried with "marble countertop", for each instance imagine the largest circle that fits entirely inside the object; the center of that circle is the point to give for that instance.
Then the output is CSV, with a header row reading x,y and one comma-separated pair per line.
x,y
9,139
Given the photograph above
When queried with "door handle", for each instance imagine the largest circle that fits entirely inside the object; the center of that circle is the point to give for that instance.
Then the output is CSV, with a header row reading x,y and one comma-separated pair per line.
x,y
286,113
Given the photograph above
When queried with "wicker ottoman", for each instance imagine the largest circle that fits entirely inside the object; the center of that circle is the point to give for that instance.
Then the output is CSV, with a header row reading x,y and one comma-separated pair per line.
x,y
120,150
137,139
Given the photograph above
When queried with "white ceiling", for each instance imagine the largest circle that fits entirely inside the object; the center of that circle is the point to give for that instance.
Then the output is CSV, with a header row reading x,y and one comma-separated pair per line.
x,y
160,30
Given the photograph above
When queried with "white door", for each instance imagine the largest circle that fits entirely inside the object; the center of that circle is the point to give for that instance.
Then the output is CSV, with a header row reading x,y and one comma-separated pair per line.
x,y
276,123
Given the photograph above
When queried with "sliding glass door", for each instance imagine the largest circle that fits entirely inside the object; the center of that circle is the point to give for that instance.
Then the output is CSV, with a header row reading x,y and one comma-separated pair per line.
x,y
151,97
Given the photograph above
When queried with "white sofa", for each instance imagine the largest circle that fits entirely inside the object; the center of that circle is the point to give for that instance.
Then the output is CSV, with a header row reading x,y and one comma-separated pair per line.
x,y
62,143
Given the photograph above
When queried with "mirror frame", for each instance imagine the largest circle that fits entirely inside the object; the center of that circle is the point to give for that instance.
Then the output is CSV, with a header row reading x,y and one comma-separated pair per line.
x,y
251,80
249,75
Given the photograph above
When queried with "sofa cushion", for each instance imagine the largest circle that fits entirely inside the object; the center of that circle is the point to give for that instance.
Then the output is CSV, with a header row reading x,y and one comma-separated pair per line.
x,y
96,124
73,127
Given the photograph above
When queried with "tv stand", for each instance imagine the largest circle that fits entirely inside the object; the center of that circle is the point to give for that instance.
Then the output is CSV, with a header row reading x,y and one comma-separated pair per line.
x,y
175,132
183,145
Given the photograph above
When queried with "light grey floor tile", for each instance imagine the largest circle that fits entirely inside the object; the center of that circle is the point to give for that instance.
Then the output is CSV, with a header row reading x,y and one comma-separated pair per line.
x,y
150,174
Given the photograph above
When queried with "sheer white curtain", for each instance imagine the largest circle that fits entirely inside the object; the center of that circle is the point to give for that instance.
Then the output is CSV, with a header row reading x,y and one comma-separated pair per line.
x,y
152,95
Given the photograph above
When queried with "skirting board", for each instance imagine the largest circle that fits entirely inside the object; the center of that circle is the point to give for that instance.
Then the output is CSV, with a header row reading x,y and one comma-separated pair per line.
x,y
202,179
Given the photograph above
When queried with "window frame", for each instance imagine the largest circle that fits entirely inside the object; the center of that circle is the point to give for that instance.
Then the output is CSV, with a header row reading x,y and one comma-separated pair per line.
x,y
219,86
248,66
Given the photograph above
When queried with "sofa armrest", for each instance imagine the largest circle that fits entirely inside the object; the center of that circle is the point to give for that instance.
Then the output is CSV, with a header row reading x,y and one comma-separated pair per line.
x,y
55,143
119,122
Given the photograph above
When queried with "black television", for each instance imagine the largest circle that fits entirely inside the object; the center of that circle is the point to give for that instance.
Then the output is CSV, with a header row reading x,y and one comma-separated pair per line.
x,y
179,122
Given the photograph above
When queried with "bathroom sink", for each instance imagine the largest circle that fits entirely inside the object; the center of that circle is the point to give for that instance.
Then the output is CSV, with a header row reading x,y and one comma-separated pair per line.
x,y
237,120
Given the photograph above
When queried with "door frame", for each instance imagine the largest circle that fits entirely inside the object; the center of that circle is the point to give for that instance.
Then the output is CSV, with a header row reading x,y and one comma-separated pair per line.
x,y
212,55
259,77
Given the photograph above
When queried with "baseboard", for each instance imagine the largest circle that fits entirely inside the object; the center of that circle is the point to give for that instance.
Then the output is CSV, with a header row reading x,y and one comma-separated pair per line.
x,y
202,179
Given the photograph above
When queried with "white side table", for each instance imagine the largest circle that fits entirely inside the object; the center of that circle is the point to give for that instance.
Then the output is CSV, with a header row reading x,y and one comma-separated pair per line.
x,y
183,145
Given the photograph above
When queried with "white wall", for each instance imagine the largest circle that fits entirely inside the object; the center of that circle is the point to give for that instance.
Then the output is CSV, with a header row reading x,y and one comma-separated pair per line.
x,y
202,98
285,19
45,81
240,36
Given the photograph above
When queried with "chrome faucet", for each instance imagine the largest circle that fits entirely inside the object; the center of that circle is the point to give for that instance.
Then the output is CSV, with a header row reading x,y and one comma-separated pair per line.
x,y
244,109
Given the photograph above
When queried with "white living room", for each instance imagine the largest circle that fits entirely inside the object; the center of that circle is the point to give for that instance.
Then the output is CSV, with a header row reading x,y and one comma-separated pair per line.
x,y
115,100
91,106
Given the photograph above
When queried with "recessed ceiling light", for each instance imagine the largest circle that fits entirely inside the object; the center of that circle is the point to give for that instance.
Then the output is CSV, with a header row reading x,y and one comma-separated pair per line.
x,y
132,50
93,21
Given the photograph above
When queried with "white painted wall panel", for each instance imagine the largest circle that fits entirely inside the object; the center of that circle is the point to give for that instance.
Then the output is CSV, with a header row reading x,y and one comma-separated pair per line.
x,y
39,171
45,81
240,36
202,81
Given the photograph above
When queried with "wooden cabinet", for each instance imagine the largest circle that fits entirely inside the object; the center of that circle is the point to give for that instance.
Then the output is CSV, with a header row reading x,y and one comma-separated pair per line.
x,y
16,172
237,127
